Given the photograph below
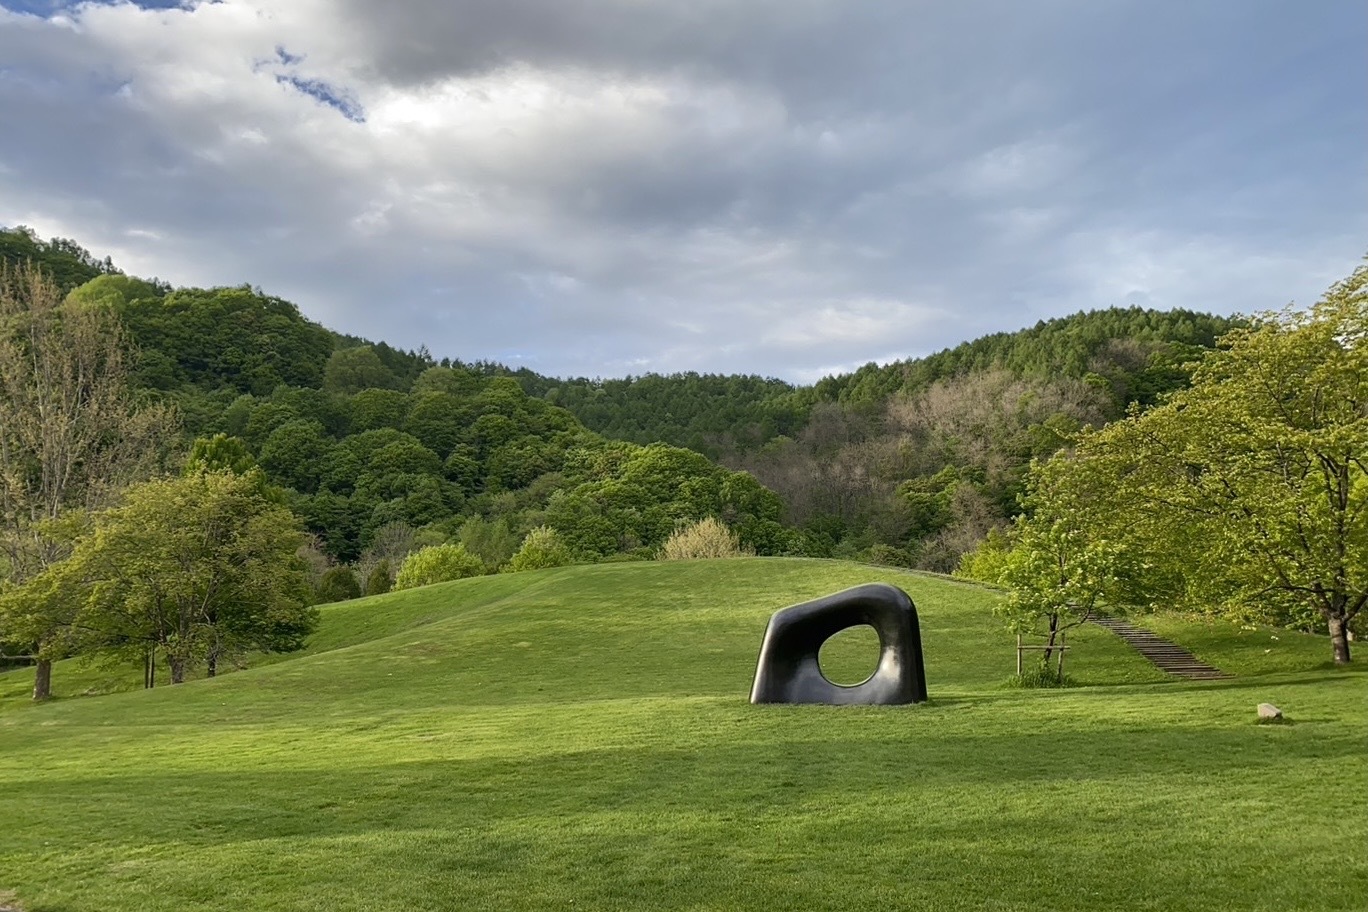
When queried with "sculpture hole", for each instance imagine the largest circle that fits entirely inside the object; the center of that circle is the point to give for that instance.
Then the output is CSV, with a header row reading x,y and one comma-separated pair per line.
x,y
850,656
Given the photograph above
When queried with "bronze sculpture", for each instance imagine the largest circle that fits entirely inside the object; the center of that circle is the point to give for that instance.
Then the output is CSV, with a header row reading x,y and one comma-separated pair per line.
x,y
788,670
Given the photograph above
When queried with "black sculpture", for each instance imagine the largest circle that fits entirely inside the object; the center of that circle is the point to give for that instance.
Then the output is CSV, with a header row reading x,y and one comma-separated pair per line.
x,y
788,671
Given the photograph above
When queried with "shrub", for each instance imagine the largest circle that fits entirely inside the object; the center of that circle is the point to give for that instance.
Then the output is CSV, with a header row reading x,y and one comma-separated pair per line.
x,y
541,548
1039,676
379,581
338,585
706,538
987,562
437,564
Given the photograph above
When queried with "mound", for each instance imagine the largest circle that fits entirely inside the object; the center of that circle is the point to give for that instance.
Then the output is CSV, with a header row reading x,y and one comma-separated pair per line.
x,y
581,738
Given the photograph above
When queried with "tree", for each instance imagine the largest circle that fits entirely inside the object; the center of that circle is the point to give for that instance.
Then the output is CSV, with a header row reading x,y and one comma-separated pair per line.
x,y
338,585
492,541
295,453
1055,565
233,337
437,564
1249,490
540,549
351,370
200,568
71,437
64,261
379,581
219,453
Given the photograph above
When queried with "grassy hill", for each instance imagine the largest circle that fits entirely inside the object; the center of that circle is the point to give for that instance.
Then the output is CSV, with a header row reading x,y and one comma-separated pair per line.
x,y
580,739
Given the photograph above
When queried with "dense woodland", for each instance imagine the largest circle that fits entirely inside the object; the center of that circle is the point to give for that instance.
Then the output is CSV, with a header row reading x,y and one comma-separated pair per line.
x,y
909,463
379,452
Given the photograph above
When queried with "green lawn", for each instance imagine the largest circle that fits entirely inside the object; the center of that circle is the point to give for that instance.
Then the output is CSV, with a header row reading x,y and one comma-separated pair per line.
x,y
580,739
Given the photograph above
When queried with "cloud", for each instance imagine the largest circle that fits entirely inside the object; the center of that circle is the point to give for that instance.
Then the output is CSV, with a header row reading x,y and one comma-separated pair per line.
x,y
602,186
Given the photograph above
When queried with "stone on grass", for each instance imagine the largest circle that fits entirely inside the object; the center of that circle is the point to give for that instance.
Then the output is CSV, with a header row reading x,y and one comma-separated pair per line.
x,y
1269,711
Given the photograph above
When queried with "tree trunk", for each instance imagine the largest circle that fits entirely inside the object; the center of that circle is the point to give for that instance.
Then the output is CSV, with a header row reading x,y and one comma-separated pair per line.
x,y
213,664
1339,640
1049,643
42,680
177,669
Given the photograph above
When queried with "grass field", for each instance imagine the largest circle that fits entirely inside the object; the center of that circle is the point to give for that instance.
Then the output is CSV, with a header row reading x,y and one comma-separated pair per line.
x,y
580,739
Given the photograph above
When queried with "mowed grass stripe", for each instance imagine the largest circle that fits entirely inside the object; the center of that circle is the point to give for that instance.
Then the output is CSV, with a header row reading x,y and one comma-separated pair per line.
x,y
521,742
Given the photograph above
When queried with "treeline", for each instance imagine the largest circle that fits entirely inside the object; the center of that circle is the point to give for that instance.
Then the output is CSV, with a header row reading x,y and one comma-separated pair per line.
x,y
909,463
1132,353
714,414
913,463
66,262
381,450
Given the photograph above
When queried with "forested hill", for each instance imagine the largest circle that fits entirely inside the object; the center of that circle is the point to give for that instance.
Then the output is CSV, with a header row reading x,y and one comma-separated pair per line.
x,y
1139,354
1131,354
911,462
67,262
214,340
711,413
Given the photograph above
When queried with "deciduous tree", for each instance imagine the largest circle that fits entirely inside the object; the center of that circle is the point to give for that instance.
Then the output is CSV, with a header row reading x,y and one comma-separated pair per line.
x,y
542,548
200,568
1057,567
71,437
1251,487
437,564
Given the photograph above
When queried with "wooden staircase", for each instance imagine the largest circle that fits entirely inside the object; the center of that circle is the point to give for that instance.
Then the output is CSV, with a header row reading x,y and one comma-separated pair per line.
x,y
1164,655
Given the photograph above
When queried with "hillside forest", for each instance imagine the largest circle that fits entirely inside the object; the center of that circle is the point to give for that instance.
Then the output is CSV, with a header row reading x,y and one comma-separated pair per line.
x,y
371,453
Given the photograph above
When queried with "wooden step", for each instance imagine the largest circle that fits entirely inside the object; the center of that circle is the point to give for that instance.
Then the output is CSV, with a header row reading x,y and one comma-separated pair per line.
x,y
1166,656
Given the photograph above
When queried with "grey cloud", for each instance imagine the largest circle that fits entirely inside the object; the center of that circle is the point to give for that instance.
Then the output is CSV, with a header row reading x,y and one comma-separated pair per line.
x,y
772,187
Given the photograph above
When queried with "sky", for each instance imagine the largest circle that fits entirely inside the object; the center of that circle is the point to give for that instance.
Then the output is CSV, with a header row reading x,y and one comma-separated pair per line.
x,y
789,188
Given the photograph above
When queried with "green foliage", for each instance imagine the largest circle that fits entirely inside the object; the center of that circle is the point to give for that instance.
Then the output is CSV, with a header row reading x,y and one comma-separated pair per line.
x,y
1040,676
200,568
1056,568
1247,494
988,561
709,413
233,337
634,497
372,409
492,541
437,564
707,538
1137,354
913,462
351,370
71,436
64,261
295,453
380,580
540,549
888,556
220,453
339,584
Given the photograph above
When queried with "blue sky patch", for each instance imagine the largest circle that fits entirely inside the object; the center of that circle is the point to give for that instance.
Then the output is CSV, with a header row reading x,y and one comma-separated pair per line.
x,y
333,98
50,7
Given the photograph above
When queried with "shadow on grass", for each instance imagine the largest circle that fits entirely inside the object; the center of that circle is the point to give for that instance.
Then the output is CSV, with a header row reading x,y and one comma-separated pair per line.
x,y
212,806
1270,680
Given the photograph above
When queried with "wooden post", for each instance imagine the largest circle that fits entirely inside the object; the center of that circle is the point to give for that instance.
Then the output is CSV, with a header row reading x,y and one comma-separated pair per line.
x,y
1018,655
